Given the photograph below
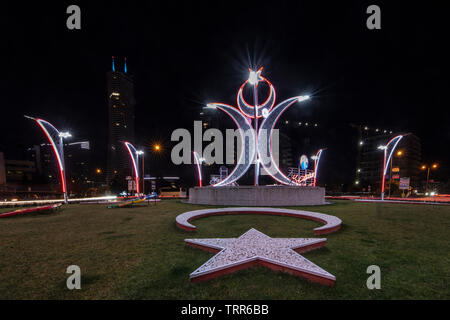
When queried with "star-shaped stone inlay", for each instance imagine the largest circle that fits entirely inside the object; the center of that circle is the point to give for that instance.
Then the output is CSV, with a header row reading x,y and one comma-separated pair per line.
x,y
256,248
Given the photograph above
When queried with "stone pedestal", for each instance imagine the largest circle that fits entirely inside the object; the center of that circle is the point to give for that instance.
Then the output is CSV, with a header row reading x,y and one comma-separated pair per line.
x,y
257,196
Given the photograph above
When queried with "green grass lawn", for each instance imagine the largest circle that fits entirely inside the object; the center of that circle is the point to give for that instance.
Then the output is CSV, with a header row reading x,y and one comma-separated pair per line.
x,y
139,253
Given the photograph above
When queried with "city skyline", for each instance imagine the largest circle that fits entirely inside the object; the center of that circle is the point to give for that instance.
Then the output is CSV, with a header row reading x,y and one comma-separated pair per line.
x,y
387,95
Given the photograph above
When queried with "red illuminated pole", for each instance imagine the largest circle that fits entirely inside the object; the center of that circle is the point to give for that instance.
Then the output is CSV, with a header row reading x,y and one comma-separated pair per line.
x,y
316,164
198,162
134,162
255,102
383,177
58,150
387,159
143,175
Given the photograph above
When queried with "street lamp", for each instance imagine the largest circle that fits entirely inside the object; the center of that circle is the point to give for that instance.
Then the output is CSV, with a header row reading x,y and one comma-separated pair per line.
x,y
316,159
141,153
134,154
56,140
386,159
64,135
428,167
198,162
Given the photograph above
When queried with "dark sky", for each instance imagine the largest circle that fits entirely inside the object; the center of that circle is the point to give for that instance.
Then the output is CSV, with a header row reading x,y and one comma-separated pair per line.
x,y
186,53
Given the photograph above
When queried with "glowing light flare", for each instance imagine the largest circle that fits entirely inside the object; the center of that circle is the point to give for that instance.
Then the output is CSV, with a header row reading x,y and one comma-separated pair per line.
x,y
210,106
303,98
65,135
254,76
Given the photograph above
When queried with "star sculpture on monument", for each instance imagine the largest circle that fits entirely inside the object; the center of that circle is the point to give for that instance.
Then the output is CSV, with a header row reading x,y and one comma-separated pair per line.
x,y
256,248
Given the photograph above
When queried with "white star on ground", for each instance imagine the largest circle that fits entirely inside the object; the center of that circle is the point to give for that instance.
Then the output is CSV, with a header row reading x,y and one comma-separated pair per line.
x,y
255,246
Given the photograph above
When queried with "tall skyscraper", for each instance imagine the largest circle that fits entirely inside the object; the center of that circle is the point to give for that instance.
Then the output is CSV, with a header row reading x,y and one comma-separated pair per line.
x,y
121,103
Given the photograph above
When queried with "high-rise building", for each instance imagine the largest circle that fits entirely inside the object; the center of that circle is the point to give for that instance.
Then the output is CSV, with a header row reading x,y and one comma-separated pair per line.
x,y
121,119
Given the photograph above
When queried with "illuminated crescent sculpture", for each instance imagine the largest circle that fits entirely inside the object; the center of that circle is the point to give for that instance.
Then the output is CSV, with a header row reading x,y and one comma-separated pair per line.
x,y
252,147
247,140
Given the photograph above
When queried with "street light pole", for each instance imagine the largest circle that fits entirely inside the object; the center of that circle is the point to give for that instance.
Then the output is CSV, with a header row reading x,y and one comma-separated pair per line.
x,y
428,167
55,137
390,180
254,78
386,159
63,171
143,176
139,153
383,178
428,177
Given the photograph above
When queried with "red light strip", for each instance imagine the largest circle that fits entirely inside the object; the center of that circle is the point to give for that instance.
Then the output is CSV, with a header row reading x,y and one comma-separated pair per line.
x,y
197,162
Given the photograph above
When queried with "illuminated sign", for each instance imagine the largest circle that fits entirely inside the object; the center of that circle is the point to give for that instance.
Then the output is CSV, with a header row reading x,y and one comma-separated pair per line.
x,y
304,162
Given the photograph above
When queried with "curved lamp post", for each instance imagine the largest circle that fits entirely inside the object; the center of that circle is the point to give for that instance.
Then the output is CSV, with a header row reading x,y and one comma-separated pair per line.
x,y
316,159
56,140
386,160
134,154
198,162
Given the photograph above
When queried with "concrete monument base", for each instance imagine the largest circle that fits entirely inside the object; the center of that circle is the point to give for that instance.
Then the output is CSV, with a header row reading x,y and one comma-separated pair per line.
x,y
258,196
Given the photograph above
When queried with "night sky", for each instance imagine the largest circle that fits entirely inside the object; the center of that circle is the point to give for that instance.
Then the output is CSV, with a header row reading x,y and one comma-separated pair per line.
x,y
184,54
